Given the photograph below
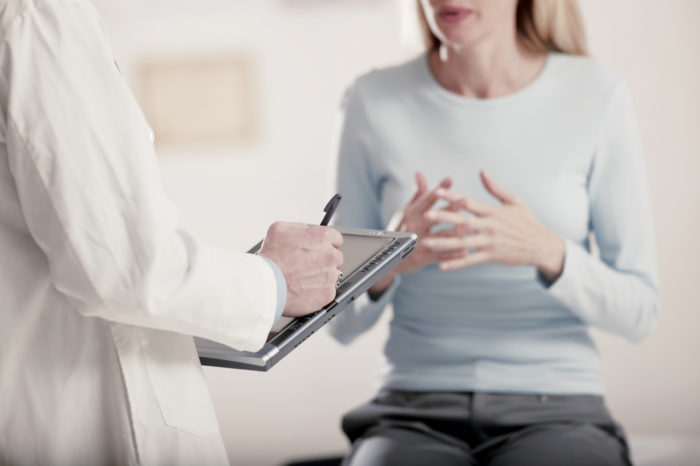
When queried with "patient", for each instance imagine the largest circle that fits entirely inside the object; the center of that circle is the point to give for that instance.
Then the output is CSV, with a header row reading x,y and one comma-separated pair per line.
x,y
503,147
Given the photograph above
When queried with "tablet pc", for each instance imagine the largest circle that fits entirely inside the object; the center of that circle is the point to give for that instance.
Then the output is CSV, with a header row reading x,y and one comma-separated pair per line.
x,y
367,256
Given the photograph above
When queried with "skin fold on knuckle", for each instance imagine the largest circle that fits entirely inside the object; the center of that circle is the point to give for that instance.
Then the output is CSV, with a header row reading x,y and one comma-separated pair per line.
x,y
339,258
330,258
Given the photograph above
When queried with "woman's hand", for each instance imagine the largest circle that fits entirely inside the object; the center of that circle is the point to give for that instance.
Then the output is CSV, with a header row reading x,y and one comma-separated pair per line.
x,y
412,219
506,234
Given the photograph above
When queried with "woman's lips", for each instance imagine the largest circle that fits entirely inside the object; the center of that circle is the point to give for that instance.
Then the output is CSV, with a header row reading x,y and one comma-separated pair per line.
x,y
452,14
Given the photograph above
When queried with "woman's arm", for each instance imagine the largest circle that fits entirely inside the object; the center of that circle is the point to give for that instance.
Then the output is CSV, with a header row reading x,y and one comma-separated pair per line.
x,y
357,181
618,293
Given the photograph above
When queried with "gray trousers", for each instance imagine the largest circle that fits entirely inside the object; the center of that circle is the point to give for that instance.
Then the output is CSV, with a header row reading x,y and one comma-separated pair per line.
x,y
444,428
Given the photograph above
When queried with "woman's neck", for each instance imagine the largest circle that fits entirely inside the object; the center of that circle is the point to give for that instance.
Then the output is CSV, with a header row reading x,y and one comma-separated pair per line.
x,y
490,69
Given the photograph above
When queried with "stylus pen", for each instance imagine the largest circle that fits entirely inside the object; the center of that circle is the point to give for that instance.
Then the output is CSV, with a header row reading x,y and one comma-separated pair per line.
x,y
330,209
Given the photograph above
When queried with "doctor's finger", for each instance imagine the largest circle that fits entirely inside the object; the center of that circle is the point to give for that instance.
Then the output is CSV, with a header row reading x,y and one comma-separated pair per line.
x,y
329,235
335,257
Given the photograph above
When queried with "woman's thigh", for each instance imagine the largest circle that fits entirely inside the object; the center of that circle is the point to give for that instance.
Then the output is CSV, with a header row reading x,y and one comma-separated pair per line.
x,y
556,444
406,444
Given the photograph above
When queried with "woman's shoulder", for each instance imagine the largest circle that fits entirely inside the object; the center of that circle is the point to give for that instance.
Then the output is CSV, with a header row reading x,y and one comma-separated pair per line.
x,y
390,80
585,74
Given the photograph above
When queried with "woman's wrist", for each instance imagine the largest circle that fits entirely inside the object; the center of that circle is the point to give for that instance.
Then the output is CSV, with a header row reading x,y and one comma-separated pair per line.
x,y
550,257
377,290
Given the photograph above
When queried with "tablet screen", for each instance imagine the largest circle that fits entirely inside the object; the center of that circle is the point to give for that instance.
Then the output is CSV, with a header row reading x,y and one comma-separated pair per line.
x,y
357,250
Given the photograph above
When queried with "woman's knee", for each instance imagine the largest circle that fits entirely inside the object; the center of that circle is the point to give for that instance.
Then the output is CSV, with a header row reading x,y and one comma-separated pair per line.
x,y
556,444
397,445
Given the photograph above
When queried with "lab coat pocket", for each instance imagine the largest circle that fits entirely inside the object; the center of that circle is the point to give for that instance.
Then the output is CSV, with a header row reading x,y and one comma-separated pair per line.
x,y
178,382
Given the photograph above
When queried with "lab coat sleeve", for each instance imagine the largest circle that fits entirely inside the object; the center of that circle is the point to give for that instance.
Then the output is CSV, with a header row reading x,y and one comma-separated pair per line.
x,y
86,173
618,293
281,287
358,182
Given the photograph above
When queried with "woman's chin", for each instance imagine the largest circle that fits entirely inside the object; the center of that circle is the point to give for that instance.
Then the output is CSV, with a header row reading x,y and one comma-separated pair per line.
x,y
459,39
459,44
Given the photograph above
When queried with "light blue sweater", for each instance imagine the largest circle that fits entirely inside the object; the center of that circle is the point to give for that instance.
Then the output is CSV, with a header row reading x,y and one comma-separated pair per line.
x,y
567,144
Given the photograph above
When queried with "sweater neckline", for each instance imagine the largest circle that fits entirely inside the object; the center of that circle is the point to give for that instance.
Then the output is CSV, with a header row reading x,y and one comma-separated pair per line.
x,y
450,96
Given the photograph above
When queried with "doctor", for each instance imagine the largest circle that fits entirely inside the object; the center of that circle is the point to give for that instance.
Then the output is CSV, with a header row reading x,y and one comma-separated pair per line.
x,y
99,290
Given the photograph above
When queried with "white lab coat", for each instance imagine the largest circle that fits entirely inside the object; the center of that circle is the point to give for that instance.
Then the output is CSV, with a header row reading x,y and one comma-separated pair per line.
x,y
99,290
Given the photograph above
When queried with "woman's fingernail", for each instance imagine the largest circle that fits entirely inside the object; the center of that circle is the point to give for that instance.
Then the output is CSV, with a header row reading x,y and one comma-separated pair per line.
x,y
430,215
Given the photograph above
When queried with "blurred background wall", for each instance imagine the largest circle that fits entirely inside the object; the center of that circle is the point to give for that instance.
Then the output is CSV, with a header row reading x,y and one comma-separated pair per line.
x,y
301,55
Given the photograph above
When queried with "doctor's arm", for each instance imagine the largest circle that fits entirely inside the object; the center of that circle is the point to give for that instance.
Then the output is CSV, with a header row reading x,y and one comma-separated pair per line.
x,y
87,177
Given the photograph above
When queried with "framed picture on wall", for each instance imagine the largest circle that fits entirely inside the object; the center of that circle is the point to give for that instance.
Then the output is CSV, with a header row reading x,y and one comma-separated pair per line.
x,y
202,100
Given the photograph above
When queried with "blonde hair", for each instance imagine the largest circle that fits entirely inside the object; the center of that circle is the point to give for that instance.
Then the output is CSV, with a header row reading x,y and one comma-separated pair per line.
x,y
542,26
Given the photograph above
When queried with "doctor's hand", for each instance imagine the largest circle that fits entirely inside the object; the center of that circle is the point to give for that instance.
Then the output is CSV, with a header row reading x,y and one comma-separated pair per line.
x,y
309,258
506,234
412,219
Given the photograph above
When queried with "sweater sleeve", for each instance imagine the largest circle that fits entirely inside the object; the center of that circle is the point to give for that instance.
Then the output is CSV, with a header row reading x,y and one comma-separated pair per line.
x,y
618,293
358,182
87,178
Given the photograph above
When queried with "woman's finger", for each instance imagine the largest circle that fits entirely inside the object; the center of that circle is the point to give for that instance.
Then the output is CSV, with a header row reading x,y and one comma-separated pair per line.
x,y
465,242
466,261
444,256
446,183
497,190
456,231
429,257
466,203
422,187
428,199
455,218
